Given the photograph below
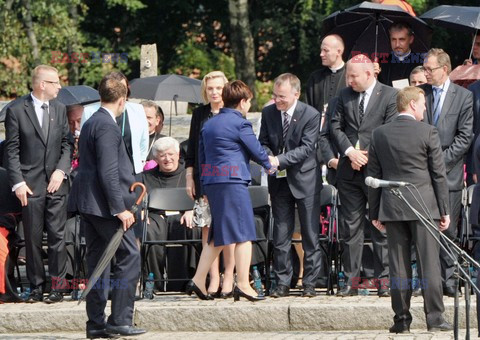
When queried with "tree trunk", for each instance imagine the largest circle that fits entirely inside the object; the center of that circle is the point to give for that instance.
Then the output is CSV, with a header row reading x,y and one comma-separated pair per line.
x,y
27,21
72,46
241,40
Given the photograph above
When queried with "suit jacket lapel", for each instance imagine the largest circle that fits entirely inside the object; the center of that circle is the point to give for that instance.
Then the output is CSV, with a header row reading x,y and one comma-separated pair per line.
x,y
372,102
355,96
447,103
295,117
428,115
30,110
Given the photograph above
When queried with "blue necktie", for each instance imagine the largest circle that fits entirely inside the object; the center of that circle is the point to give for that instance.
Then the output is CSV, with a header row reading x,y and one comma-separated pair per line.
x,y
437,94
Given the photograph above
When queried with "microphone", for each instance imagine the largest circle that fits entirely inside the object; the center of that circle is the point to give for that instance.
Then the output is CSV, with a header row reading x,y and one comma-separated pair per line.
x,y
380,183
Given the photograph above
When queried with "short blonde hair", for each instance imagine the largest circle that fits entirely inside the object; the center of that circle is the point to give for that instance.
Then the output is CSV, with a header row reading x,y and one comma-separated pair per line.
x,y
208,76
39,69
443,58
406,95
163,144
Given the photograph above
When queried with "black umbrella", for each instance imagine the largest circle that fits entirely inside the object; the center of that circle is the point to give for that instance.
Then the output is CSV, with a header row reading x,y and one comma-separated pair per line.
x,y
167,87
78,95
461,18
112,246
364,28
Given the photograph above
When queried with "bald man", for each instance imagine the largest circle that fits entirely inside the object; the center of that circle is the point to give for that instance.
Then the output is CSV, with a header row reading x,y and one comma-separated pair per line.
x,y
363,106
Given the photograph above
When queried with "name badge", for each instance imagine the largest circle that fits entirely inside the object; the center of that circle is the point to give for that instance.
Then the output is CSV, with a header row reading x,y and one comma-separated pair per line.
x,y
281,173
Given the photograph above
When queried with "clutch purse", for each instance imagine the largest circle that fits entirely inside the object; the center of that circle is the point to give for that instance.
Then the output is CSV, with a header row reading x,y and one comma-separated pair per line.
x,y
201,213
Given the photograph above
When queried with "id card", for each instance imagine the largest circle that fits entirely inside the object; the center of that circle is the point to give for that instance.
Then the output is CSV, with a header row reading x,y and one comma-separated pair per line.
x,y
281,173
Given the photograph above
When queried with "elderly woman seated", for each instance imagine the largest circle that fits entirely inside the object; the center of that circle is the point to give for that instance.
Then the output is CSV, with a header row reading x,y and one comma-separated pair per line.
x,y
170,173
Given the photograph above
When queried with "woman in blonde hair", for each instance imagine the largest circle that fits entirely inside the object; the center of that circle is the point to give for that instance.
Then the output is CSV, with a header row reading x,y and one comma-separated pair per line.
x,y
212,86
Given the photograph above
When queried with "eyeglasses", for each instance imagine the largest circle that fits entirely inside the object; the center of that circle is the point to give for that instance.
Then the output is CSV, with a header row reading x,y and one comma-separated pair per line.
x,y
52,82
430,70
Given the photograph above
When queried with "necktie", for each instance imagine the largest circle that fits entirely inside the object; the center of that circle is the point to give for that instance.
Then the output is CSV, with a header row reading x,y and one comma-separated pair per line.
x,y
45,120
437,94
361,107
286,125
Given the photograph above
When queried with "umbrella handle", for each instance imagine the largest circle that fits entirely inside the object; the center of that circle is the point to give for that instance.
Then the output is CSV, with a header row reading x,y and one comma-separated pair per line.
x,y
142,194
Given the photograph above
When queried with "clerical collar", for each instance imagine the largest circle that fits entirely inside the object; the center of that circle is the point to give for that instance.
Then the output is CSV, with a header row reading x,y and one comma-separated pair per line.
x,y
336,69
402,57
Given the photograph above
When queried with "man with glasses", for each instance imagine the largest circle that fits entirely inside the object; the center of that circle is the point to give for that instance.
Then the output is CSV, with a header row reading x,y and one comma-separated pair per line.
x,y
449,108
38,163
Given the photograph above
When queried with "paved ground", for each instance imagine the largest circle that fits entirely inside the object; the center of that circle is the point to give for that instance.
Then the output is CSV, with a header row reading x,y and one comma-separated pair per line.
x,y
345,335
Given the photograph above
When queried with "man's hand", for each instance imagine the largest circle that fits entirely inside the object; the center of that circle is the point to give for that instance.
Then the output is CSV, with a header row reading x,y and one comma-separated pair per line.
x,y
21,193
127,219
190,186
333,163
468,62
187,219
444,222
358,158
55,181
274,161
379,225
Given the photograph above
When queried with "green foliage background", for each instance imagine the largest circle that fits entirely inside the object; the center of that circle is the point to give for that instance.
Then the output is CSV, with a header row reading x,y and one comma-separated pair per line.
x,y
192,37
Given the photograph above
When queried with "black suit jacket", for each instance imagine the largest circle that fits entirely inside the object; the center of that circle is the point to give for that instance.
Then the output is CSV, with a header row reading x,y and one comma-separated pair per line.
x,y
300,148
455,128
407,150
394,69
31,158
345,125
475,207
105,174
475,88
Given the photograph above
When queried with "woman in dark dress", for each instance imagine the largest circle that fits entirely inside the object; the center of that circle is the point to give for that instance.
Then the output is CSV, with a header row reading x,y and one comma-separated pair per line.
x,y
226,144
212,86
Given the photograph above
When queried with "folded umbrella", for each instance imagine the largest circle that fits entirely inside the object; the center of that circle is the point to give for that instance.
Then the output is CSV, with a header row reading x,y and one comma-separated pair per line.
x,y
112,246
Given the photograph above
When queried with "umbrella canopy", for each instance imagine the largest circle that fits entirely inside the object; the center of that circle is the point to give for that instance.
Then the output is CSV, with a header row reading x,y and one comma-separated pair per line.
x,y
464,75
167,87
3,112
77,95
460,18
364,28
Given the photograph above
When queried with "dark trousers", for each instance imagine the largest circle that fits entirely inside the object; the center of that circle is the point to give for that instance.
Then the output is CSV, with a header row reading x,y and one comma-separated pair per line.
x,y
447,263
353,200
283,208
50,213
400,236
126,272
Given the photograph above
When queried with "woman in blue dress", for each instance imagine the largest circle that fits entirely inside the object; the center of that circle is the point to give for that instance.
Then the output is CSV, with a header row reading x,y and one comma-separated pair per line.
x,y
227,143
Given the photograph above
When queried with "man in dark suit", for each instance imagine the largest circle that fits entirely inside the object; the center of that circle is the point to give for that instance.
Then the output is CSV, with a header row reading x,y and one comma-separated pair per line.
x,y
289,132
475,88
100,193
38,163
407,150
364,105
402,60
450,110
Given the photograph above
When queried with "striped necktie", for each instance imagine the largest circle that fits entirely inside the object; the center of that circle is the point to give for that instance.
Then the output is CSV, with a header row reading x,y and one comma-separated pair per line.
x,y
286,125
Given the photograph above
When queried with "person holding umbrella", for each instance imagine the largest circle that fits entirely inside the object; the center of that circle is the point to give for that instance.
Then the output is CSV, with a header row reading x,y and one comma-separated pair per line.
x,y
226,145
212,86
100,193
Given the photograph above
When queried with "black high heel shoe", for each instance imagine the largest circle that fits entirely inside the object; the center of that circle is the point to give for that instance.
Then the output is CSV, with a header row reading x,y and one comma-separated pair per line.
x,y
237,293
192,288
226,295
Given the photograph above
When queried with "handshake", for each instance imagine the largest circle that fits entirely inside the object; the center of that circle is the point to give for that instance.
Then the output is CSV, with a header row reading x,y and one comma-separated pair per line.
x,y
274,163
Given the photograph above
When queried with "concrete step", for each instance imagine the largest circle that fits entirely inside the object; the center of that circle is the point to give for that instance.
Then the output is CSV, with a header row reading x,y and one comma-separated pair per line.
x,y
181,313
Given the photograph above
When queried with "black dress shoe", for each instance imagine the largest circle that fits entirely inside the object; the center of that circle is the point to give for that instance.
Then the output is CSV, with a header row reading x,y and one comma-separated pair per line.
x,y
399,328
383,292
347,291
124,330
54,297
444,327
99,334
280,291
237,293
192,288
309,291
450,291
35,296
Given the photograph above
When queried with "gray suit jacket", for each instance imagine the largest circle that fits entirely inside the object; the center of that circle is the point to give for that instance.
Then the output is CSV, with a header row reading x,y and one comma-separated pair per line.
x,y
345,125
29,156
455,128
407,150
300,148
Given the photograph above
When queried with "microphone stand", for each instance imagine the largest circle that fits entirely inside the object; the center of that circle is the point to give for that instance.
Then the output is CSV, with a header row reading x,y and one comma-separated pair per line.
x,y
453,251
